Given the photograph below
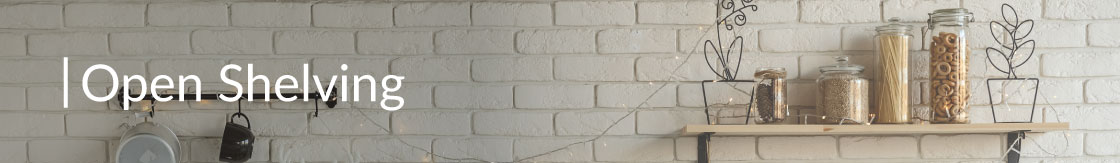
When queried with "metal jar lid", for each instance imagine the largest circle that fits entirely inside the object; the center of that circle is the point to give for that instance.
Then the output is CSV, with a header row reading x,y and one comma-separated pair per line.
x,y
842,65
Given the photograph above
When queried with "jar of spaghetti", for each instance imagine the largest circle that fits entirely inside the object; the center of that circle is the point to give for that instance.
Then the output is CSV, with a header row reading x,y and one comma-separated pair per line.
x,y
949,91
892,84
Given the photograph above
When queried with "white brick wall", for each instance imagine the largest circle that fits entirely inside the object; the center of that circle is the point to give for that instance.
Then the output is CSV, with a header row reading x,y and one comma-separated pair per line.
x,y
395,43
528,123
506,80
637,41
511,14
432,14
32,16
496,149
105,15
353,15
266,14
634,149
68,44
512,69
474,42
188,14
588,13
840,11
314,42
797,148
676,12
231,42
554,96
150,43
556,41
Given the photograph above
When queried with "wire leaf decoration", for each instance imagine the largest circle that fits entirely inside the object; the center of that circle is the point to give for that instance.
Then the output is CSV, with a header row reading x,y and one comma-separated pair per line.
x,y
728,60
1018,32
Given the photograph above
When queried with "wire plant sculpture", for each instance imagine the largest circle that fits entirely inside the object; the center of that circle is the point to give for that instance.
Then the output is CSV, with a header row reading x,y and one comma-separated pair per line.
x,y
726,57
726,49
1016,31
1010,55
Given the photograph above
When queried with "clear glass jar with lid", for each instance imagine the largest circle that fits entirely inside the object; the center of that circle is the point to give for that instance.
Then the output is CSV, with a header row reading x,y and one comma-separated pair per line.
x,y
842,94
770,95
949,53
892,84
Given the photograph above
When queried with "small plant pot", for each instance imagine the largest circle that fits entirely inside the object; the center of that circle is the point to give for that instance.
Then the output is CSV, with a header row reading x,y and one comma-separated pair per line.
x,y
1005,113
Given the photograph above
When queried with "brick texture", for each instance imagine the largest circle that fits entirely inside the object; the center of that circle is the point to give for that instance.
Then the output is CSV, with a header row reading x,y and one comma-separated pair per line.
x,y
503,81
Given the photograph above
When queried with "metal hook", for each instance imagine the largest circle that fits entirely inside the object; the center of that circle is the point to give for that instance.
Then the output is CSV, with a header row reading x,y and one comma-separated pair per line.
x,y
239,104
153,107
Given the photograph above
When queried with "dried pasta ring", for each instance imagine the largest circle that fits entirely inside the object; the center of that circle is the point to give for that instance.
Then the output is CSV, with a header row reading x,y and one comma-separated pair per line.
x,y
954,77
948,57
937,41
942,68
944,89
940,50
951,40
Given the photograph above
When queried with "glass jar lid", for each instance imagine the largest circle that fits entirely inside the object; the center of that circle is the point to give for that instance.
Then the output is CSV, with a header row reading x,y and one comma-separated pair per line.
x,y
950,15
894,26
842,65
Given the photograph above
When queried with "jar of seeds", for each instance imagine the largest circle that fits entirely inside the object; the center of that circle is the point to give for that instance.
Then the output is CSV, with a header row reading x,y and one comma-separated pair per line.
x,y
770,95
843,94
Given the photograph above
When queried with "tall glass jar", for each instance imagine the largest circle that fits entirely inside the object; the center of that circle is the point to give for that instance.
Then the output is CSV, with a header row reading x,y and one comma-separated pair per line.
x,y
892,83
949,65
842,94
770,95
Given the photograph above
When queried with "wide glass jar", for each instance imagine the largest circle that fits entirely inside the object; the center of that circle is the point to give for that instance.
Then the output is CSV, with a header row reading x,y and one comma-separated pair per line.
x,y
770,95
892,84
842,94
949,91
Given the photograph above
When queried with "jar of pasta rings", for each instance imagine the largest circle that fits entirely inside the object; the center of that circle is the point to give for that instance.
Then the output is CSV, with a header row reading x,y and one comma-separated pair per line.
x,y
842,94
949,91
770,95
892,83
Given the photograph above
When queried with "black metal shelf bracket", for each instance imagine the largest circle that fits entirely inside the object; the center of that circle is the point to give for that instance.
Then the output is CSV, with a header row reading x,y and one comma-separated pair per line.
x,y
331,99
702,143
1015,142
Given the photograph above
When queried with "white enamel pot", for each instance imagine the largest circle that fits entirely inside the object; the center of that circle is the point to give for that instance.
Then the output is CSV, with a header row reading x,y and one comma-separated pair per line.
x,y
148,143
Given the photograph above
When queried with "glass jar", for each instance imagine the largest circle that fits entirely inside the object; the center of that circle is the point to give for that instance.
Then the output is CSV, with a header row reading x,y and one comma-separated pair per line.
x,y
770,95
892,85
948,64
842,94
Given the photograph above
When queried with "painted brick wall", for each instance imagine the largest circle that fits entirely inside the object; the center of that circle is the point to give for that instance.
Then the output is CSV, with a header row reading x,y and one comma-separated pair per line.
x,y
506,80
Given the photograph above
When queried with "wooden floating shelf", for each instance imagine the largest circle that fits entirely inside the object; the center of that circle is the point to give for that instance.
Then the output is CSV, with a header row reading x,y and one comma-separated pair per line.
x,y
877,129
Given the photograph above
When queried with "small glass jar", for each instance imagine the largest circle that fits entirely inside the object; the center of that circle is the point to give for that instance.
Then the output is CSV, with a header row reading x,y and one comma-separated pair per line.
x,y
892,85
949,91
770,95
842,94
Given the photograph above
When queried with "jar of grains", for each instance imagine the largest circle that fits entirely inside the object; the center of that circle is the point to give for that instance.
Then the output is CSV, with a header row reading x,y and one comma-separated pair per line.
x,y
842,94
948,65
770,95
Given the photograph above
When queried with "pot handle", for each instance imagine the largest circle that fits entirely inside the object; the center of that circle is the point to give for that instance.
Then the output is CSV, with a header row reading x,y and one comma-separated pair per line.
x,y
247,123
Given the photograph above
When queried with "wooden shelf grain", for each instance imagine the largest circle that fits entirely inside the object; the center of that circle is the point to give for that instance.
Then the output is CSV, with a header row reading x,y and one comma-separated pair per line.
x,y
877,129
